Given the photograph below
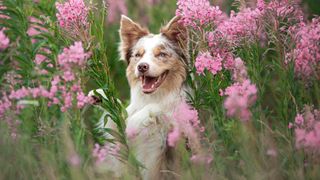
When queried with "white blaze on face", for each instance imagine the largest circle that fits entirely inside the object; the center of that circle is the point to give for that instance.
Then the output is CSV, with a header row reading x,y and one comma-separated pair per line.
x,y
148,44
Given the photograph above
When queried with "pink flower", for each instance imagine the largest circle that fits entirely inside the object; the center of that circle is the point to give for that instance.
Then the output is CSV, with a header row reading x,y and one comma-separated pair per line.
x,y
285,9
75,88
243,25
299,119
67,97
101,153
55,80
186,114
36,92
72,15
82,99
40,59
261,4
68,76
131,132
55,100
220,47
206,61
198,13
306,55
73,56
185,121
307,130
173,137
240,96
4,40
20,93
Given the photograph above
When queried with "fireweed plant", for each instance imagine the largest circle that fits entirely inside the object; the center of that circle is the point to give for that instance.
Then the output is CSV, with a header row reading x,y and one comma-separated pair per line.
x,y
253,74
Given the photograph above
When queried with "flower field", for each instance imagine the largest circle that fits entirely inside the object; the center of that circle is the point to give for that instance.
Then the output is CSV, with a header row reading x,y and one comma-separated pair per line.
x,y
254,79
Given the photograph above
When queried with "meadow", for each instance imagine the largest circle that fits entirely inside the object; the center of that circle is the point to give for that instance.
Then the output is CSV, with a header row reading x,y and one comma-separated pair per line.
x,y
254,75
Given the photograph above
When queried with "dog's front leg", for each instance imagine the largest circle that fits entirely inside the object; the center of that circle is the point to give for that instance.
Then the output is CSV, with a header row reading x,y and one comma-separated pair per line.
x,y
143,118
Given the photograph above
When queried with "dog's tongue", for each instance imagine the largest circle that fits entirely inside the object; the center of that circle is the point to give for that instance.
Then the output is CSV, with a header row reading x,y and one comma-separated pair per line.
x,y
148,82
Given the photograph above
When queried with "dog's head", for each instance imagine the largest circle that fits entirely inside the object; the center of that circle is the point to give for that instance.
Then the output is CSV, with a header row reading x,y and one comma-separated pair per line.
x,y
156,63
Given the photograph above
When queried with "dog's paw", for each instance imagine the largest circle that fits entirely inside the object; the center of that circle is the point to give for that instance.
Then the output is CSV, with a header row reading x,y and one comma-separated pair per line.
x,y
96,100
136,122
144,118
97,96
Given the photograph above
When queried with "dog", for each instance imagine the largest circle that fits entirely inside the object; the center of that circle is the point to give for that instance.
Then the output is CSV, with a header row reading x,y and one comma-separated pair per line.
x,y
156,73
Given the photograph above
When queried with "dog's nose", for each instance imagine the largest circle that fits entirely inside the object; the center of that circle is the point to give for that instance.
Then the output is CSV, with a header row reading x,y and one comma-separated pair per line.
x,y
143,67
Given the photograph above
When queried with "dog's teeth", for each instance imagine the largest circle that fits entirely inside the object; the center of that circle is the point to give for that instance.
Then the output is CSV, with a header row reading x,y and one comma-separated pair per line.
x,y
152,86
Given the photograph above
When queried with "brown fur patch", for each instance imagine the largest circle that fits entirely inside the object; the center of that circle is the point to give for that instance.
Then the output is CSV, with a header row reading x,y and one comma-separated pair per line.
x,y
141,52
177,34
158,50
177,75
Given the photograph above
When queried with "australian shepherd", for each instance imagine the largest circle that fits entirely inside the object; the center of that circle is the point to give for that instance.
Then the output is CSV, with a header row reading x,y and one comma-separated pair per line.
x,y
156,72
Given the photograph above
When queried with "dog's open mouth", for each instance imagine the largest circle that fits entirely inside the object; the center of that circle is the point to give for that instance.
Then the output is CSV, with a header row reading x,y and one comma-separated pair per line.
x,y
151,84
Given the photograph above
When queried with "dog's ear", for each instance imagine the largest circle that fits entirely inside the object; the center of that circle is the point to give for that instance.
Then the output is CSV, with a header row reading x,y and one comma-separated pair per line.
x,y
176,32
130,33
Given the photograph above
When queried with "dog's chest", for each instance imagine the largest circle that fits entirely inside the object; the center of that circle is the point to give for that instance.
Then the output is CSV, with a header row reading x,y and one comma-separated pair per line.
x,y
150,144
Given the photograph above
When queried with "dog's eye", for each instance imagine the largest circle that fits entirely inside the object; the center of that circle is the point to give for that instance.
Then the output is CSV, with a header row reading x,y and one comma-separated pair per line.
x,y
138,55
162,54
